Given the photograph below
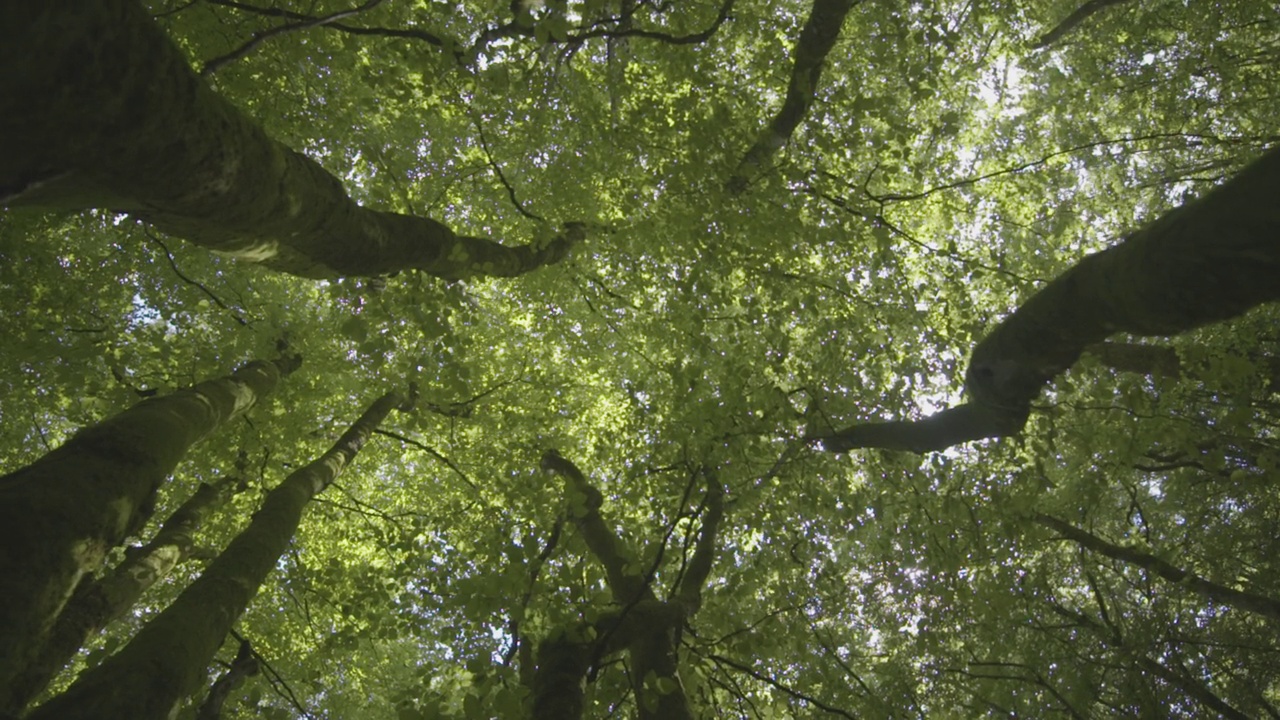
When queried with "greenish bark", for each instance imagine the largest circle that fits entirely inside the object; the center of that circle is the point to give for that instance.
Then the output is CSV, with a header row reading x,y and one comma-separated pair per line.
x,y
563,662
1206,261
817,38
167,659
243,667
61,514
96,604
99,109
1070,22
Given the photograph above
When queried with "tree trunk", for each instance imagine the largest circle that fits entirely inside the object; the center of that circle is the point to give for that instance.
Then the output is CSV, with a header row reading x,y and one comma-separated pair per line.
x,y
168,658
61,514
96,604
99,109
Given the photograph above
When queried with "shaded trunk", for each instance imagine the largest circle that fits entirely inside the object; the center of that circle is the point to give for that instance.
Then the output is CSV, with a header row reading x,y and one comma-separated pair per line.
x,y
243,667
167,659
96,604
99,109
60,515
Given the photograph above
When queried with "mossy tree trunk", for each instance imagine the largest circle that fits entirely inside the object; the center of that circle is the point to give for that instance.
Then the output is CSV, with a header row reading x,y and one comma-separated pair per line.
x,y
96,604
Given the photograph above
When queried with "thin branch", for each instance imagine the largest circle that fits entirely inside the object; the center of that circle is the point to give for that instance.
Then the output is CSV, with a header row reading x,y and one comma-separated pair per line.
x,y
182,276
1247,601
511,191
781,686
433,453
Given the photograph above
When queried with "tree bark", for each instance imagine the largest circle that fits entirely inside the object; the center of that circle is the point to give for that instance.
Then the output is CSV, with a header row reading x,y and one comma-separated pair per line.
x,y
167,659
1206,261
244,666
1070,22
61,514
96,604
99,109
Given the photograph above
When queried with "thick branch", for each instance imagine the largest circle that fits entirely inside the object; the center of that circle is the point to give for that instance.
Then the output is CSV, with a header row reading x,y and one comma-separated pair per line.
x,y
136,130
953,426
1249,602
816,40
1206,261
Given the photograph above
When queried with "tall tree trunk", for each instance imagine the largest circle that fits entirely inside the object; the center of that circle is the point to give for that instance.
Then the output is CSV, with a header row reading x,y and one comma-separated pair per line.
x,y
61,514
100,109
167,659
96,604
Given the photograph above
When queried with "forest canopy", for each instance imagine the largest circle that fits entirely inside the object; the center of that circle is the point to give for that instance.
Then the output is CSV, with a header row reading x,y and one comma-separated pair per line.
x,y
414,360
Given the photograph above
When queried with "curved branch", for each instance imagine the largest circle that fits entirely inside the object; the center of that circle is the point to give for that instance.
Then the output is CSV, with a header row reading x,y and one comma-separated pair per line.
x,y
193,165
1206,261
607,547
704,552
216,64
944,429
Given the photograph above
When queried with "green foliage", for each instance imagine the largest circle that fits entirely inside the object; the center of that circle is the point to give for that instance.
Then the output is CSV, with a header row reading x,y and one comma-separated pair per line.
x,y
944,172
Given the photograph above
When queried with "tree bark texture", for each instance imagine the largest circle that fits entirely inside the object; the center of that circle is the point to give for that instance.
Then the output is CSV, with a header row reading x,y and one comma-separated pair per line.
x,y
100,109
98,603
167,659
61,514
